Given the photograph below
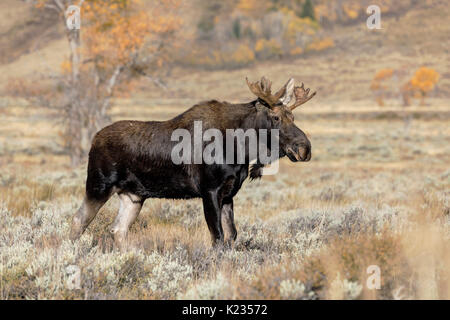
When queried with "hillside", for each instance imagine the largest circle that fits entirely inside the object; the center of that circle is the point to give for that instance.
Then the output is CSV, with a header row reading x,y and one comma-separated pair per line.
x,y
343,73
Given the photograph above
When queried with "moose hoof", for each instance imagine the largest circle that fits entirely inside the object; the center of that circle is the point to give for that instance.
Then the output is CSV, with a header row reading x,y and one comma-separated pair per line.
x,y
229,244
75,232
74,235
120,238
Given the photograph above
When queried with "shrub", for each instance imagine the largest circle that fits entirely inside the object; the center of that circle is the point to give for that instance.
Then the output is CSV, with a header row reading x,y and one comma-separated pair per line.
x,y
423,81
308,10
295,290
296,51
298,26
352,10
267,48
378,85
242,56
321,44
219,288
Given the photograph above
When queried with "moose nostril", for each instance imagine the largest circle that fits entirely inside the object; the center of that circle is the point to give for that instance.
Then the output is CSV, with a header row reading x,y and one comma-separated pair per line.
x,y
303,146
304,151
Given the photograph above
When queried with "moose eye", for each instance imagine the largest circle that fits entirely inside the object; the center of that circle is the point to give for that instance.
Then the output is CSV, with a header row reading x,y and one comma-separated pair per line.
x,y
276,118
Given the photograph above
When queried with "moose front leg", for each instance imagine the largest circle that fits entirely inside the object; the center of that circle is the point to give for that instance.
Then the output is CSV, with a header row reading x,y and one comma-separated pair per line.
x,y
212,210
228,222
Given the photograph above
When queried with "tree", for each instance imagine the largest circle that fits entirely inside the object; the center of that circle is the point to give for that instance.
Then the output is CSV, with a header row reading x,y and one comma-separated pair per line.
x,y
424,81
379,86
117,41
308,10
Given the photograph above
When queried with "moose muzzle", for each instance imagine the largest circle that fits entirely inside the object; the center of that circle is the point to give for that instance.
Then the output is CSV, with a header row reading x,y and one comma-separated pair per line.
x,y
300,152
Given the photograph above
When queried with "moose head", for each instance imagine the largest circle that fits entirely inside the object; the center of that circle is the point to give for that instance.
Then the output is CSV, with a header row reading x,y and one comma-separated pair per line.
x,y
276,112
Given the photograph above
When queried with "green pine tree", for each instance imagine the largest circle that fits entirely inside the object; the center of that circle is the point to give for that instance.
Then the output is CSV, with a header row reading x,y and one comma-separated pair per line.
x,y
308,10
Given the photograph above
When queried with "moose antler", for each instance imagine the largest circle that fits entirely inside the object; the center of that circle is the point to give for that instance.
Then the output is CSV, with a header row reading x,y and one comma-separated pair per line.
x,y
301,96
262,89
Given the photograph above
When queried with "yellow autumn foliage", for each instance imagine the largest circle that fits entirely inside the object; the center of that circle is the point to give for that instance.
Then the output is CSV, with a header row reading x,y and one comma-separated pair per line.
x,y
378,86
268,48
422,82
296,51
114,35
425,79
297,25
114,30
66,67
380,76
352,10
321,44
383,74
320,11
252,6
242,55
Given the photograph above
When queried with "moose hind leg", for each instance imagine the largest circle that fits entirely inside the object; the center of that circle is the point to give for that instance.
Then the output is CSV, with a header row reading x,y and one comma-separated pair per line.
x,y
84,216
130,206
228,222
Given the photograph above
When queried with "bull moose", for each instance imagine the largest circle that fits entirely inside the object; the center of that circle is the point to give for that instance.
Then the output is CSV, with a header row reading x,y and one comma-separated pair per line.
x,y
133,159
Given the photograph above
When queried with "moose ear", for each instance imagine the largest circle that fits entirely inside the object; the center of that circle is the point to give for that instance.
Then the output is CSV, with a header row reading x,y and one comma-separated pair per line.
x,y
263,116
288,93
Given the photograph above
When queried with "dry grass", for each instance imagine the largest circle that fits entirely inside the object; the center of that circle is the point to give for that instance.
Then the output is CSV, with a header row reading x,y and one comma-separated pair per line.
x,y
376,193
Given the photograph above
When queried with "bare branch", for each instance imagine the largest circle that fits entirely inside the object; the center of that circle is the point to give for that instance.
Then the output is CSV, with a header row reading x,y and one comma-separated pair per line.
x,y
59,4
110,88
52,7
113,79
156,81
